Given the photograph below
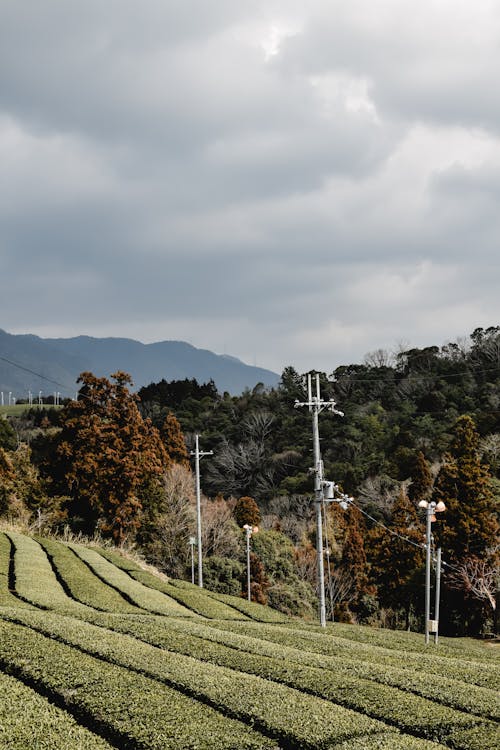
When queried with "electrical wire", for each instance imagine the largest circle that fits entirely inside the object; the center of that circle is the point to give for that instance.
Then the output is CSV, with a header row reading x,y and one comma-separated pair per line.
x,y
399,536
411,377
379,523
33,372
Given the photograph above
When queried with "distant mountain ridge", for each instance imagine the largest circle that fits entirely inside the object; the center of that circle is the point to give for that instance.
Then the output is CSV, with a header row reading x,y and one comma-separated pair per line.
x,y
25,357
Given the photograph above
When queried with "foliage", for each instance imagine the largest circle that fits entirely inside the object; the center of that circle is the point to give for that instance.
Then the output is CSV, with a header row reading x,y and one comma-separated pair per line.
x,y
108,452
8,440
173,439
40,724
222,575
348,687
246,511
397,556
135,592
469,525
398,432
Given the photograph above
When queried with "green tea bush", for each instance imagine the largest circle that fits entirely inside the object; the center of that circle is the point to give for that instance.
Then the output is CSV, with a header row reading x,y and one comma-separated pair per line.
x,y
83,584
35,580
27,720
130,710
7,598
481,674
293,717
196,600
233,692
142,596
196,639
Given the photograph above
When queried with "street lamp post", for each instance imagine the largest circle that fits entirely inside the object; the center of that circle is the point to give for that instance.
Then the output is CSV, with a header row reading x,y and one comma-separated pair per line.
x,y
438,592
431,508
249,530
192,544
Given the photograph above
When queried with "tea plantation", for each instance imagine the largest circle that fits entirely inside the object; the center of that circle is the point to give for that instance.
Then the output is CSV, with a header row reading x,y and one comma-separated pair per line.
x,y
95,652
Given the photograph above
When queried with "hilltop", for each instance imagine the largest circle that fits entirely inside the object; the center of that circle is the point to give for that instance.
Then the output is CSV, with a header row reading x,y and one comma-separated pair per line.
x,y
60,361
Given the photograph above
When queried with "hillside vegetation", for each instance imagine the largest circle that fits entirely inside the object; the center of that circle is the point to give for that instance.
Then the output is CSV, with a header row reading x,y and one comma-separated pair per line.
x,y
97,652
418,426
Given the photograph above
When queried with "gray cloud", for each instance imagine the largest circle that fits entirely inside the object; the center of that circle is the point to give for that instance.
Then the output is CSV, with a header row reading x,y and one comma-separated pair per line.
x,y
290,183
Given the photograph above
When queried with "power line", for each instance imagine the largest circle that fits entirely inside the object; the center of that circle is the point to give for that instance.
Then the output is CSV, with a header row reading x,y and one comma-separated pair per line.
x,y
410,376
399,536
33,372
379,523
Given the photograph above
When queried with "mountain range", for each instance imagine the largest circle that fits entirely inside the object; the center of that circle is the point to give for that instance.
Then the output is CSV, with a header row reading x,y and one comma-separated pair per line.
x,y
31,363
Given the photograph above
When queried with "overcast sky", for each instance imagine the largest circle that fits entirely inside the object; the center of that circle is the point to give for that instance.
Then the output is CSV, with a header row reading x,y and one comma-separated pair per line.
x,y
286,182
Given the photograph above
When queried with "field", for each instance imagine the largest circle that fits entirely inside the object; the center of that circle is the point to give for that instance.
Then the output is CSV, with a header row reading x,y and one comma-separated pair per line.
x,y
17,410
96,652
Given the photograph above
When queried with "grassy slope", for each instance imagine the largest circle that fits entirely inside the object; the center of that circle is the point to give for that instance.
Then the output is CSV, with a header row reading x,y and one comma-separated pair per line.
x,y
150,663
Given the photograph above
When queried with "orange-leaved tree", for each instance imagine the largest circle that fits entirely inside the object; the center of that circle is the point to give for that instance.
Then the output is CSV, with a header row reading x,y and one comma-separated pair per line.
x,y
108,452
174,442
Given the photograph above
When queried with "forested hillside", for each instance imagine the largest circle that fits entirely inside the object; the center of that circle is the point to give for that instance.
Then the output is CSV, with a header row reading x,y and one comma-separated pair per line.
x,y
422,424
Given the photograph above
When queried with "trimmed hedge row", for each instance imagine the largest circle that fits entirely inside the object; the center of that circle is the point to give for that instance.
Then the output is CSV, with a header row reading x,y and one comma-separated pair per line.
x,y
118,559
7,598
243,607
252,610
129,709
196,639
141,596
27,720
194,598
483,675
36,581
255,611
456,648
295,718
82,583
408,712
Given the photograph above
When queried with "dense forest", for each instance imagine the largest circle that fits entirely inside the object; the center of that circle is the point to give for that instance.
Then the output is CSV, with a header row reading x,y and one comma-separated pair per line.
x,y
420,424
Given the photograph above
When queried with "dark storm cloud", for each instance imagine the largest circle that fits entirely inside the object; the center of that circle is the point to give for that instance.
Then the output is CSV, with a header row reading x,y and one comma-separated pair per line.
x,y
300,182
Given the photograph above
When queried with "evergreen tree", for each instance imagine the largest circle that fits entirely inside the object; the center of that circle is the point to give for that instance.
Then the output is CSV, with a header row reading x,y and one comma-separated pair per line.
x,y
173,440
469,527
354,556
7,476
397,557
246,511
108,452
421,480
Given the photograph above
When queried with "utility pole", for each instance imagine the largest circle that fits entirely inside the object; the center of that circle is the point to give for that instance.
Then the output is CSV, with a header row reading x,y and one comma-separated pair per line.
x,y
199,455
316,405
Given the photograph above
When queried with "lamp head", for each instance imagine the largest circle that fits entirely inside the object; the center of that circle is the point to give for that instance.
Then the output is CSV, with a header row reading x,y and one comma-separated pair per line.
x,y
440,507
423,504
